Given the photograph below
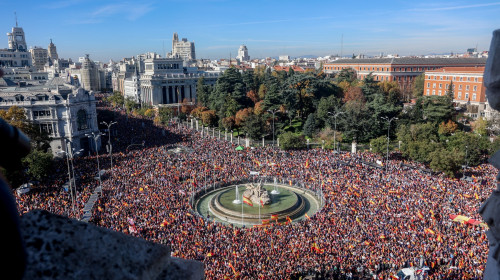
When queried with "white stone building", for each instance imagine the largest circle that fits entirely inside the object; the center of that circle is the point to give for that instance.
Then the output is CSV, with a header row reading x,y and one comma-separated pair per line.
x,y
65,112
16,55
182,48
243,54
39,57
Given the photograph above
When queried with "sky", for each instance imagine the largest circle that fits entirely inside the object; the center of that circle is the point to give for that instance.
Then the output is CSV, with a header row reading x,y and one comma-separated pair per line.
x,y
110,29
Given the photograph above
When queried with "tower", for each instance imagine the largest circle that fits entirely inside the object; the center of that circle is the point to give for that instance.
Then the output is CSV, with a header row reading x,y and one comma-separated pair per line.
x,y
52,51
175,40
17,41
243,53
90,75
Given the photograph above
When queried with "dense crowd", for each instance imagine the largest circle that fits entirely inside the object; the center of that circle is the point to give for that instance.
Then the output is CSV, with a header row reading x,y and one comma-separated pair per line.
x,y
373,223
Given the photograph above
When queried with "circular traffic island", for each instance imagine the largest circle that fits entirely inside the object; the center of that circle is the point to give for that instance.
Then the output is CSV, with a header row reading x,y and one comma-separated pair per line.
x,y
270,203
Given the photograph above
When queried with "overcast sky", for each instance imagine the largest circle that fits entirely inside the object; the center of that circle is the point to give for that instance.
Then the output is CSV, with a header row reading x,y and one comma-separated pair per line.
x,y
109,29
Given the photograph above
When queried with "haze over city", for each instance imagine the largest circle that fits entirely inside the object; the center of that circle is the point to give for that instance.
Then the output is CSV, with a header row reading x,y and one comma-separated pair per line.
x,y
117,29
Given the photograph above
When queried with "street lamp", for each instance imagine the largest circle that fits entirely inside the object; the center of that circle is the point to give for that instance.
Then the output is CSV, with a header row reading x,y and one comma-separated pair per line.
x,y
335,128
69,177
273,112
109,143
388,129
95,137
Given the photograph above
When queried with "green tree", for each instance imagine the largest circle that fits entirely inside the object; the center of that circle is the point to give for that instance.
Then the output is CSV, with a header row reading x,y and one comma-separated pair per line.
x,y
330,104
292,141
253,127
379,145
202,92
130,104
38,164
346,74
446,161
418,86
117,99
310,126
451,92
436,109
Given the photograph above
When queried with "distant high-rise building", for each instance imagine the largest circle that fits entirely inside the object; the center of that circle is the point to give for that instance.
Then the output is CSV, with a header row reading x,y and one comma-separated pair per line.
x,y
39,57
17,54
90,75
243,53
17,41
182,49
53,51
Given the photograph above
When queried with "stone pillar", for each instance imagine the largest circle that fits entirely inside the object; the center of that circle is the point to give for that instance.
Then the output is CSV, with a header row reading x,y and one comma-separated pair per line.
x,y
354,146
263,144
278,142
219,134
247,142
322,144
225,135
307,143
192,123
231,137
213,131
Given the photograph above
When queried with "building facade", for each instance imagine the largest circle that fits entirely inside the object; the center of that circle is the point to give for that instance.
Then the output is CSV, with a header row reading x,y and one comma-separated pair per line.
x,y
165,81
243,53
90,75
467,87
183,48
16,55
65,112
52,51
39,57
403,70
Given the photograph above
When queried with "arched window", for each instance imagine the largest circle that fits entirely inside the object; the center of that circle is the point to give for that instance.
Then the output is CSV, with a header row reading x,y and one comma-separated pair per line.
x,y
81,119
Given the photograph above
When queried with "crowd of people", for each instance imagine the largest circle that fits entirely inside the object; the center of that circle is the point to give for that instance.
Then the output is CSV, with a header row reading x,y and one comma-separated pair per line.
x,y
372,223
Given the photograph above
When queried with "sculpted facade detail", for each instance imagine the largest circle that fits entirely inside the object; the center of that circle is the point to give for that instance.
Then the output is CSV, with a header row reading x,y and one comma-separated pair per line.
x,y
256,193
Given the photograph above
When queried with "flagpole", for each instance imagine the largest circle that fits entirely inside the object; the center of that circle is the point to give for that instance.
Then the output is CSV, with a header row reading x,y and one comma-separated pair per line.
x,y
242,210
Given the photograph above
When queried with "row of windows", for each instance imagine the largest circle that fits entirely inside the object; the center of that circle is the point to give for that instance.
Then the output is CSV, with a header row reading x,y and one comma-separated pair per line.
x,y
43,113
459,95
386,69
469,79
467,87
46,127
168,66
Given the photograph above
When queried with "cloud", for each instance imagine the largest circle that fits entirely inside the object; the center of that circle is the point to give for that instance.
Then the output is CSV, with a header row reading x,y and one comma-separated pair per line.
x,y
455,7
131,11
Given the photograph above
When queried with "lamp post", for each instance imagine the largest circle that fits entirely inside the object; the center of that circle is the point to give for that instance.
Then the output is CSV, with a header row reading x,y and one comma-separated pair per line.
x,y
273,112
95,137
109,143
335,128
69,177
388,129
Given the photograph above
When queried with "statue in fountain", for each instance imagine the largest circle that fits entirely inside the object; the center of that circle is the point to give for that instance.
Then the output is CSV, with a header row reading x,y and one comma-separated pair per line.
x,y
256,193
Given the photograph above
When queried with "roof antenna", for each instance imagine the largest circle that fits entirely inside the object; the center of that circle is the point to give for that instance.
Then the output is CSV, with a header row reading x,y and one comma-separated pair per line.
x,y
15,14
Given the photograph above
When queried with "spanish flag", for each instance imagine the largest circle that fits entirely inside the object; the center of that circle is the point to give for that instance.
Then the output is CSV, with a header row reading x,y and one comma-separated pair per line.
x,y
307,163
234,270
210,255
428,230
274,217
164,223
440,239
476,196
265,222
307,216
247,201
420,215
288,219
316,248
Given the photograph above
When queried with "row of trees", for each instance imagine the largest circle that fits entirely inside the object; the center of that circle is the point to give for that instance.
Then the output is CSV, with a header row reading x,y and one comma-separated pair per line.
x,y
305,105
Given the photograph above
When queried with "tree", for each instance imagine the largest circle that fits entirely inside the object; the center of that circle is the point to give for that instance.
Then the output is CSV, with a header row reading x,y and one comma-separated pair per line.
x,y
451,92
446,161
253,127
379,145
310,126
228,123
327,104
346,74
117,99
292,141
130,104
436,109
418,86
38,164
480,126
447,128
165,114
202,92
273,97
208,117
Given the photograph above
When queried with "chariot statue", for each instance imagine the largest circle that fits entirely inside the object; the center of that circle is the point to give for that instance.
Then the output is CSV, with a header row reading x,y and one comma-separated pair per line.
x,y
256,193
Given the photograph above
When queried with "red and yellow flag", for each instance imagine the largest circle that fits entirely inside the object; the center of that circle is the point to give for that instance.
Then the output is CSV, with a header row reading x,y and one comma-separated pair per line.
x,y
428,230
288,219
274,217
247,201
307,216
307,163
420,215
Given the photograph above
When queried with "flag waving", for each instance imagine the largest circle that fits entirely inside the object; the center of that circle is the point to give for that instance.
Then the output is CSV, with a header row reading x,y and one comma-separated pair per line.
x,y
247,201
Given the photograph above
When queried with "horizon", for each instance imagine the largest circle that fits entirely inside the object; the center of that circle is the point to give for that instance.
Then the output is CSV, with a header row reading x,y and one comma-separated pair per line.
x,y
119,29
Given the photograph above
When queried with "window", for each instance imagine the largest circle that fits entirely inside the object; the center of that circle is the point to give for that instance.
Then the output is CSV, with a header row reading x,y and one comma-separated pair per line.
x,y
475,88
433,85
467,87
433,92
440,85
439,92
473,96
46,128
459,95
428,85
461,78
81,120
446,86
466,95
459,86
428,91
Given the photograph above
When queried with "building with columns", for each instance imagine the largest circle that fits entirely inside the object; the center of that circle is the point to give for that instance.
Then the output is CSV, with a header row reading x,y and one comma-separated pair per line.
x,y
17,54
165,81
67,113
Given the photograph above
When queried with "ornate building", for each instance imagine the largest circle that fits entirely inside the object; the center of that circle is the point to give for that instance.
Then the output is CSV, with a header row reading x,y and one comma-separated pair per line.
x,y
65,112
17,54
53,51
166,81
90,75
39,57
